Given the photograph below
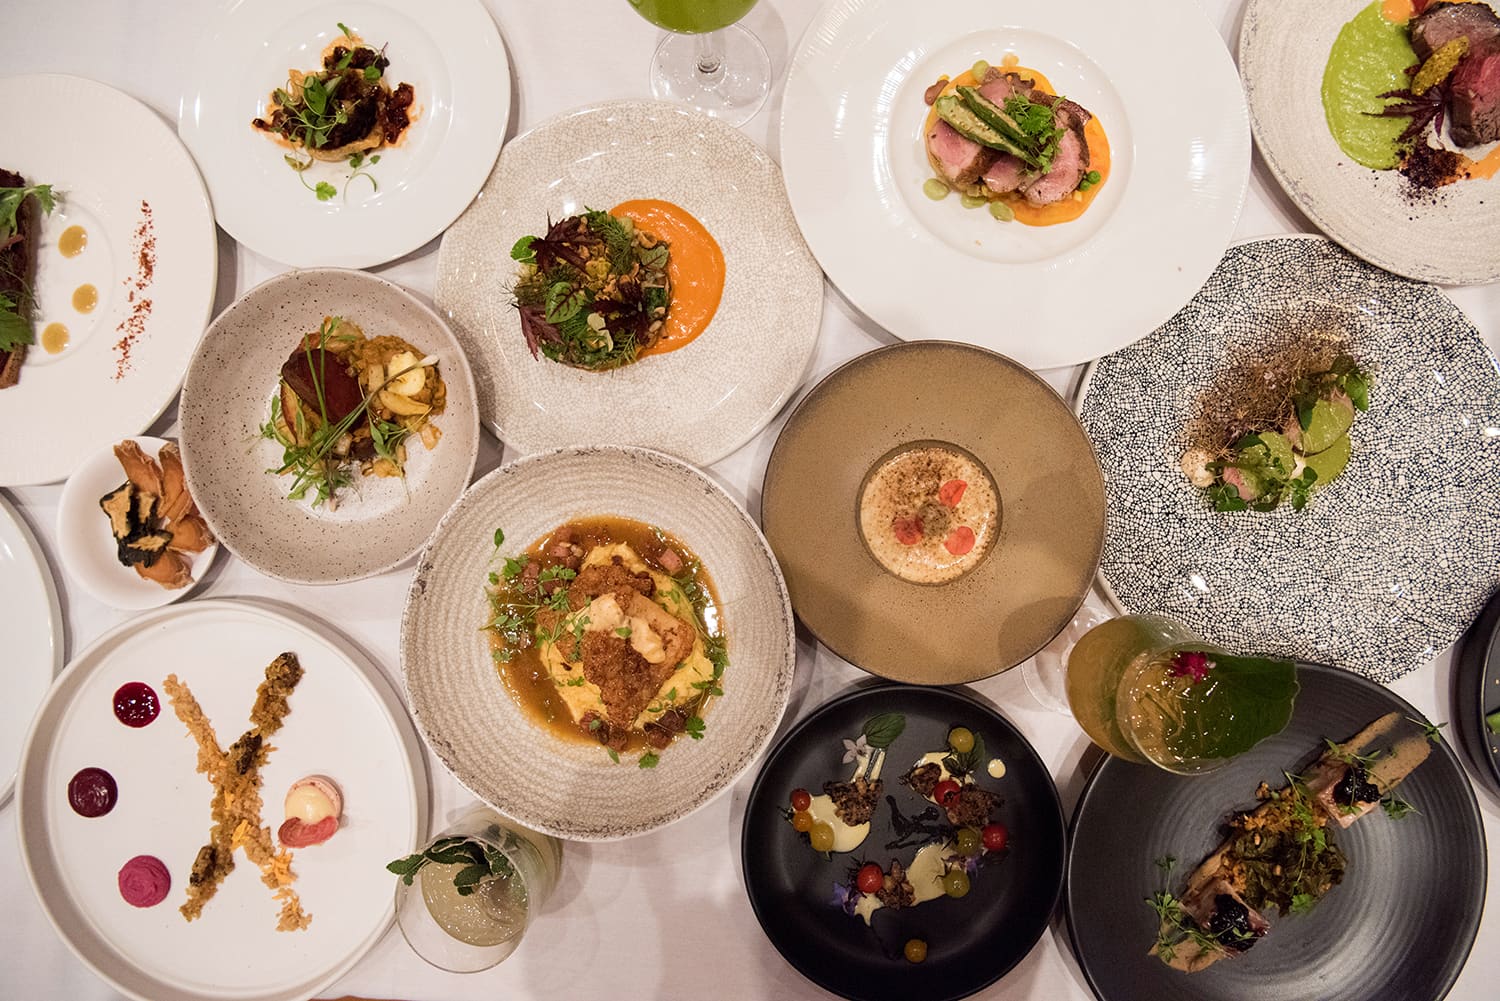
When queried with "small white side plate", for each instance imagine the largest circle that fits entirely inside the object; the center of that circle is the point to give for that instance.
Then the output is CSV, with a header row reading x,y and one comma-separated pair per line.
x,y
88,548
33,636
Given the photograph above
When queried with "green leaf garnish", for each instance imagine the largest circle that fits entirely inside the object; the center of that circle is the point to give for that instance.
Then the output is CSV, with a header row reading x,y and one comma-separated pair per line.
x,y
10,205
881,731
648,760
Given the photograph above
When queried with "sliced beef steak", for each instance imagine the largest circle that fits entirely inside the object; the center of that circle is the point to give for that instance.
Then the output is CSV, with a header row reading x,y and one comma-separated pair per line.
x,y
1475,96
1441,23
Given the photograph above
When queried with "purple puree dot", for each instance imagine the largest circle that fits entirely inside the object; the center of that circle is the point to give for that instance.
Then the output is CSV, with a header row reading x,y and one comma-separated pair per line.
x,y
144,881
136,703
92,792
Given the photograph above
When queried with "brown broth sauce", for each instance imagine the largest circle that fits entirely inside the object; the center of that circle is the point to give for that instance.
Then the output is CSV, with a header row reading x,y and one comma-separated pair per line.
x,y
526,678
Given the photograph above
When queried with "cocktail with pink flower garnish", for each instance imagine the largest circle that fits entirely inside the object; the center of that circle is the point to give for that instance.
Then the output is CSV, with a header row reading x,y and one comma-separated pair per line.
x,y
1146,689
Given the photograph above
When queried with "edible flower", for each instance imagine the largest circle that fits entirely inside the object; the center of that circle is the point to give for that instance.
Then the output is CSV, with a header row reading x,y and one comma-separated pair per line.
x,y
856,750
1191,664
844,898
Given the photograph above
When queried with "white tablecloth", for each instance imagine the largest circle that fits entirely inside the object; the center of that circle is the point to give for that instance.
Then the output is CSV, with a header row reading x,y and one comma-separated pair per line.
x,y
662,916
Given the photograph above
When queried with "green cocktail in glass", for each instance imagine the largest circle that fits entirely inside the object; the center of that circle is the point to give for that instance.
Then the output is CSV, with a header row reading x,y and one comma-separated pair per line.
x,y
1145,689
692,16
709,61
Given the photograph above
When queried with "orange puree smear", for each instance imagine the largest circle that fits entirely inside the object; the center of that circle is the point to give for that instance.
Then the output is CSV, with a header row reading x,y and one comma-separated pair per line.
x,y
1398,11
1074,205
1485,167
695,268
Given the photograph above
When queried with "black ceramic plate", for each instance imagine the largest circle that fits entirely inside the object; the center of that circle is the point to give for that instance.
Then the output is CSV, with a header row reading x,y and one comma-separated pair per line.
x,y
1399,926
972,941
1476,694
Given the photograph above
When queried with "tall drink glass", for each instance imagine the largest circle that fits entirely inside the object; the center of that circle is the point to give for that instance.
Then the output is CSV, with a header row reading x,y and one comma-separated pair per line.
x,y
468,932
709,61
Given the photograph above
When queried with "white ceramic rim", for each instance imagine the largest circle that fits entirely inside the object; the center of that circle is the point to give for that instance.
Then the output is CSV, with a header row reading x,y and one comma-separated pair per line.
x,y
10,520
380,689
1170,207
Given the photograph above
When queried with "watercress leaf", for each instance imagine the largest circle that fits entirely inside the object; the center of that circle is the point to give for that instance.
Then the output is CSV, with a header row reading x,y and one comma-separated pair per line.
x,y
648,760
325,191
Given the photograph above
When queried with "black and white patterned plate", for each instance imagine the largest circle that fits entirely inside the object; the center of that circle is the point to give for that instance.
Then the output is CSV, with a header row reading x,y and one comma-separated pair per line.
x,y
1389,562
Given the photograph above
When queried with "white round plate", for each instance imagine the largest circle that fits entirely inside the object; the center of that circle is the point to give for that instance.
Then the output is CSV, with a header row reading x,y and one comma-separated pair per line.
x,y
378,523
1391,561
33,635
700,402
88,548
559,787
448,50
345,722
1451,237
852,149
124,360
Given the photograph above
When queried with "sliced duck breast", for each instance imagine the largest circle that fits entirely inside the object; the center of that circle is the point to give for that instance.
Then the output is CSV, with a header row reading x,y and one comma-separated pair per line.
x,y
1007,173
999,85
1441,23
1475,95
959,160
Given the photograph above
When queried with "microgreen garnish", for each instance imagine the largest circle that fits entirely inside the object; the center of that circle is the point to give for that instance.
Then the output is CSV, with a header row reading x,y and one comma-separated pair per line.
x,y
15,325
648,760
480,862
309,453
15,329
614,755
10,205
1432,731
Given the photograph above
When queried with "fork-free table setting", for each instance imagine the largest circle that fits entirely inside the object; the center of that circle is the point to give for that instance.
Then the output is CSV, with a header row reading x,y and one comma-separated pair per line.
x,y
662,905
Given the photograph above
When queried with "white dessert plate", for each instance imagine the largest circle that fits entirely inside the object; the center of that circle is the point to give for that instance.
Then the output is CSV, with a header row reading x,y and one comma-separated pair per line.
x,y
448,50
852,125
378,522
34,635
1450,236
151,255
88,548
701,401
345,722
496,749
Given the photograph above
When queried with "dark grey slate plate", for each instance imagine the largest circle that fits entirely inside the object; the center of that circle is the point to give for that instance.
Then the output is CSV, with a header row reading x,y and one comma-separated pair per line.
x,y
1400,926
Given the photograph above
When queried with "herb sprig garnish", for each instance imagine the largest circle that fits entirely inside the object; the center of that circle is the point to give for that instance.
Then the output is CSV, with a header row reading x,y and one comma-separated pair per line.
x,y
309,454
480,862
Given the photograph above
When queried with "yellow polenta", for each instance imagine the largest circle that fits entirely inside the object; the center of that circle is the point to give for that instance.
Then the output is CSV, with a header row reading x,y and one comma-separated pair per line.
x,y
581,695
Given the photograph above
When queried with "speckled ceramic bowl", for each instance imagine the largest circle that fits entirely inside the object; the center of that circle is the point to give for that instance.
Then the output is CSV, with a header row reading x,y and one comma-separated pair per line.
x,y
567,789
226,400
703,400
1390,561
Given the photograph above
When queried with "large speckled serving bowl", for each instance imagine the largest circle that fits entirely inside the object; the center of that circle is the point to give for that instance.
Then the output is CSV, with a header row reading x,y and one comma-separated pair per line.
x,y
572,789
703,400
379,523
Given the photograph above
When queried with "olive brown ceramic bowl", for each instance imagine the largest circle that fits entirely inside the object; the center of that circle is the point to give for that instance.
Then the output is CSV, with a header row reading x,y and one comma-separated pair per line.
x,y
1037,553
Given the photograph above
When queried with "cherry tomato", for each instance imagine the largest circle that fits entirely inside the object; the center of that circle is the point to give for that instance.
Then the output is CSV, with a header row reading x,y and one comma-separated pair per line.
x,y
956,883
821,837
950,493
945,791
801,799
961,739
870,878
802,821
915,950
968,841
995,837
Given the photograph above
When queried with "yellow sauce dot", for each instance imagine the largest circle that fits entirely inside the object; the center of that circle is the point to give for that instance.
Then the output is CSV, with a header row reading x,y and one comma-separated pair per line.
x,y
72,241
85,298
54,338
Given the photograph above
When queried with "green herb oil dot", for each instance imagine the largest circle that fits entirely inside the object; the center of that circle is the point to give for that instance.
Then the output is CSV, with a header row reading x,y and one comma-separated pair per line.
x,y
935,189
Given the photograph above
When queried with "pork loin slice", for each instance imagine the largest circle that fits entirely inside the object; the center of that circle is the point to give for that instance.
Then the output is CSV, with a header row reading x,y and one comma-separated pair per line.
x,y
1475,95
959,160
1441,23
1007,173
1068,167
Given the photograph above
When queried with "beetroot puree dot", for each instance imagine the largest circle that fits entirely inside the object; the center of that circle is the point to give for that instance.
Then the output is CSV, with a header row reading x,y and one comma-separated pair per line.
x,y
92,792
144,881
136,703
